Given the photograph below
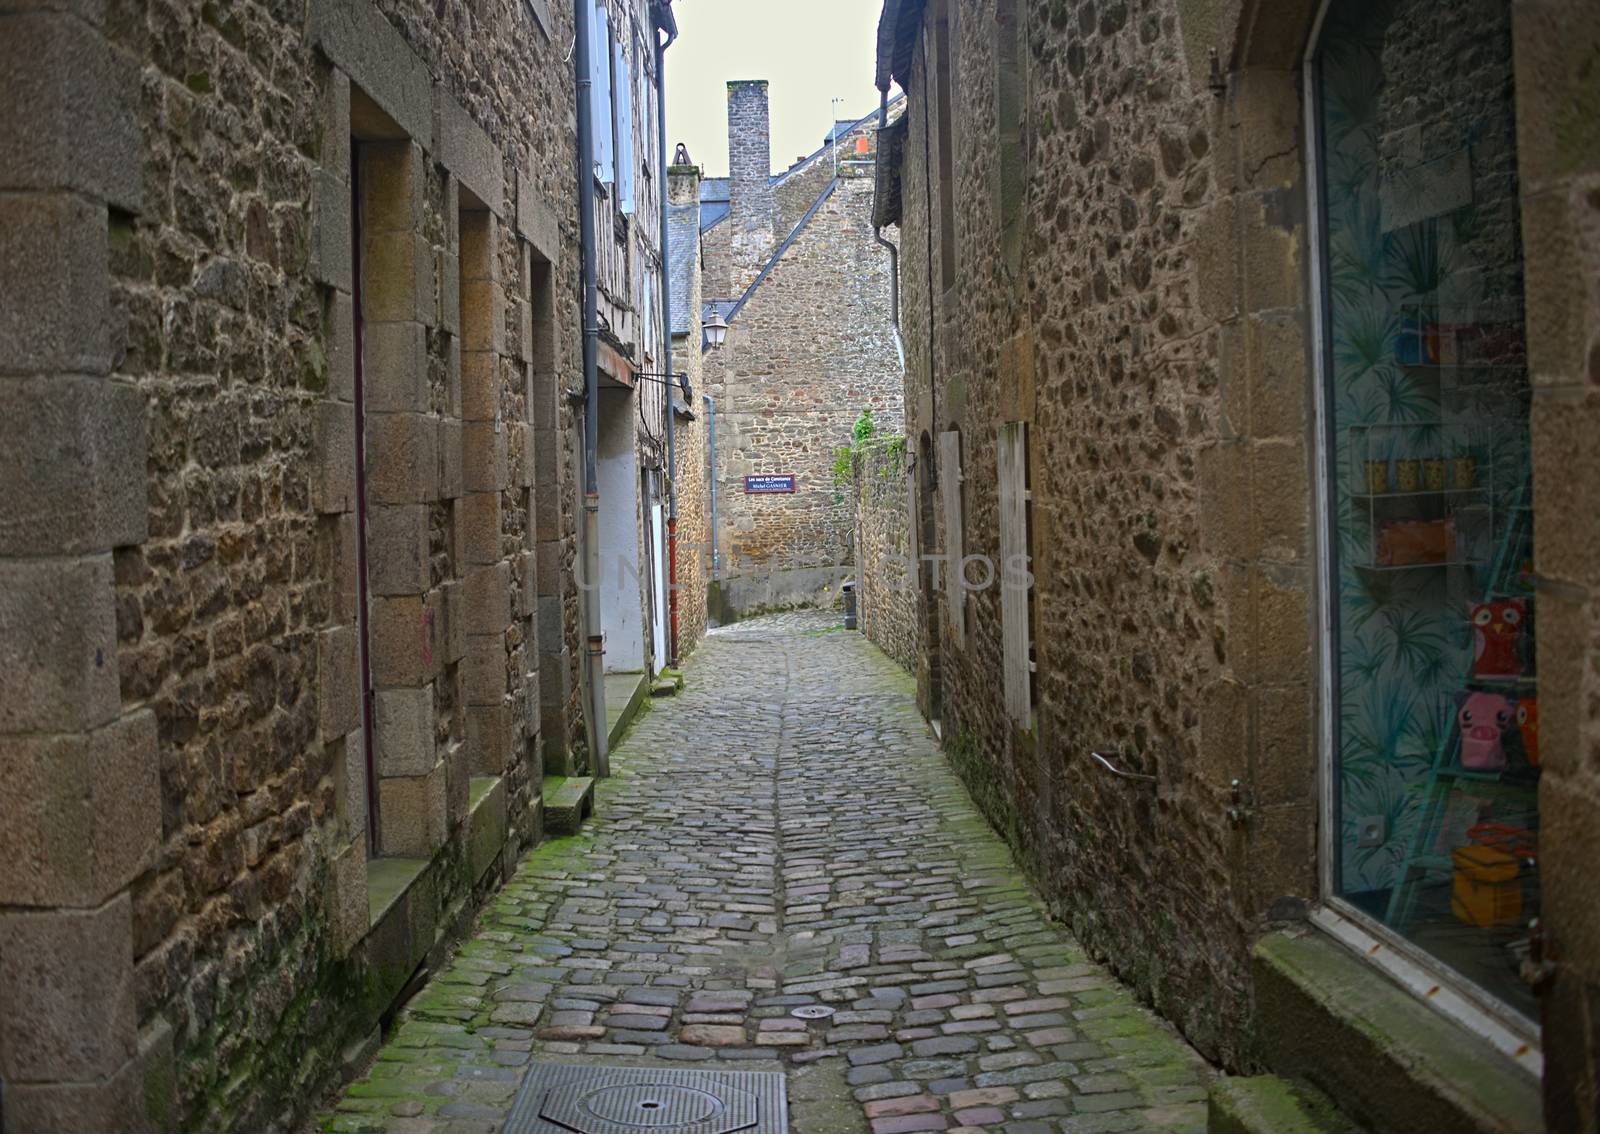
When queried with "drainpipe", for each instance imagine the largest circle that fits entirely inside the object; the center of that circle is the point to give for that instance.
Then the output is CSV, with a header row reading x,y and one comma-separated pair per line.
x,y
711,417
594,632
668,23
894,252
894,294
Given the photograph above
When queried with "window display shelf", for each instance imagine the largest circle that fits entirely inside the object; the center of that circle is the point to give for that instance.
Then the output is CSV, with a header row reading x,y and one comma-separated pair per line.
x,y
1439,368
1507,684
1419,494
1447,776
1457,772
1414,566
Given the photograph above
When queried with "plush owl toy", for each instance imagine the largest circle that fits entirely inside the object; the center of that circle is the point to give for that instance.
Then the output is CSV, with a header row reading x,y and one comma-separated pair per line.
x,y
1497,629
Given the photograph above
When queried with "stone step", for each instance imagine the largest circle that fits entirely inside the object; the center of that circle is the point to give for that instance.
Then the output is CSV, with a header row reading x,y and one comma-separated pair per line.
x,y
568,801
1267,1104
1390,1062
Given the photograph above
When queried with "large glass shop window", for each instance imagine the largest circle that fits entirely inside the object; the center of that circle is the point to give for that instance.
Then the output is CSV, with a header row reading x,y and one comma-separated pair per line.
x,y
1436,702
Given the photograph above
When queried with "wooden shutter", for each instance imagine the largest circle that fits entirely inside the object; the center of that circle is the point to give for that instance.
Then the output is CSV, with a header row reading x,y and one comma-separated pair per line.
x,y
600,92
955,595
1016,592
624,79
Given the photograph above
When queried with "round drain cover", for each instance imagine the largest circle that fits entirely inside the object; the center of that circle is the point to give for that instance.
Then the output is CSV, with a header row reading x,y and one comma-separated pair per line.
x,y
812,1012
651,1105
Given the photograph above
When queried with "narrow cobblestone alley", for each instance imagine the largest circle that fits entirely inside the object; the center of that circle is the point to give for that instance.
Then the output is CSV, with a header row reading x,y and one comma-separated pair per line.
x,y
784,833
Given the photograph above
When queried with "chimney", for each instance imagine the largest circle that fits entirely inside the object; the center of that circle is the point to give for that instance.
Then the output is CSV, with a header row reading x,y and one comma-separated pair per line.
x,y
750,200
683,179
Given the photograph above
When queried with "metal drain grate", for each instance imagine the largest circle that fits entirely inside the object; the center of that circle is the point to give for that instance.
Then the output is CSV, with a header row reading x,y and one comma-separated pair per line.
x,y
561,1098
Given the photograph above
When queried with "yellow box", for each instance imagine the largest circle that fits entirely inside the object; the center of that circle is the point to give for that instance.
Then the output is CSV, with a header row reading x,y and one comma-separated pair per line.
x,y
1488,887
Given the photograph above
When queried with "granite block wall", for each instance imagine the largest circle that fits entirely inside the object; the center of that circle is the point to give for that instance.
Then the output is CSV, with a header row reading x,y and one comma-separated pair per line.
x,y
249,179
1107,240
811,348
885,575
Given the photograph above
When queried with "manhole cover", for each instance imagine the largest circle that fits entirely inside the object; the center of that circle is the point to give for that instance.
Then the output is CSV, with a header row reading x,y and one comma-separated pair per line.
x,y
650,1106
558,1098
812,1012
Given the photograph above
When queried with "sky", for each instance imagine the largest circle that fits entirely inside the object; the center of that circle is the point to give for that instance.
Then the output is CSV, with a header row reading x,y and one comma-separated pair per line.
x,y
809,52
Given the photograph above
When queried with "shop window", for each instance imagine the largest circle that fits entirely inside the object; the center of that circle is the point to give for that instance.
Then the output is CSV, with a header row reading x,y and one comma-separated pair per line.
x,y
1430,526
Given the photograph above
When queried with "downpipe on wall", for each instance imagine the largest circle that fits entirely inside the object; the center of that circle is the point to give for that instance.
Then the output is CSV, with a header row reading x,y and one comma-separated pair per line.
x,y
594,631
665,21
894,295
894,251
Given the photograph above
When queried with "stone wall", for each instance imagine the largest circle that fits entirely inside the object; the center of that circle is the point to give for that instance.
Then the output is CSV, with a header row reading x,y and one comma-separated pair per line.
x,y
1129,248
694,528
1557,44
246,933
811,348
1069,264
885,582
693,431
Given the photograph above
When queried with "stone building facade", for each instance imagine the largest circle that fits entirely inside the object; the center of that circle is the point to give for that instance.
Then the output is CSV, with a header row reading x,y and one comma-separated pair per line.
x,y
686,263
885,578
791,264
1130,247
633,584
288,526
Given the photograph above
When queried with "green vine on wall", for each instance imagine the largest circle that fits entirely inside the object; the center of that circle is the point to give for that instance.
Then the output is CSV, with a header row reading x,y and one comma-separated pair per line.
x,y
864,438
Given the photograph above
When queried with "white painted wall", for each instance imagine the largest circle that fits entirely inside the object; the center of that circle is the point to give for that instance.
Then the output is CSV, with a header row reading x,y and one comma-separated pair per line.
x,y
621,605
658,544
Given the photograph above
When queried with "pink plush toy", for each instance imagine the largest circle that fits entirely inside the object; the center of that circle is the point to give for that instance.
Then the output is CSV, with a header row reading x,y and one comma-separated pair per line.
x,y
1484,718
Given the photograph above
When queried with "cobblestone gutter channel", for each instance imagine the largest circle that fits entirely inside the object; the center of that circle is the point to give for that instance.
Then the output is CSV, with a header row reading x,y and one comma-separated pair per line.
x,y
784,833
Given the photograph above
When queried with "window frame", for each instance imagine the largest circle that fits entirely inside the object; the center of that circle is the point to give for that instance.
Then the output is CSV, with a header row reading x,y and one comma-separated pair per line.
x,y
1455,996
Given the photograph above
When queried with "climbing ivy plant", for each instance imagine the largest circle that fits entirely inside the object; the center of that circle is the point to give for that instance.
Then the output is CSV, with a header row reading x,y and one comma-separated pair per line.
x,y
864,436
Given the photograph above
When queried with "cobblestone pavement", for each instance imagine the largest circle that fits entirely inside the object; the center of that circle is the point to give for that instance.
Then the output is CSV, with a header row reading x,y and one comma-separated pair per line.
x,y
784,833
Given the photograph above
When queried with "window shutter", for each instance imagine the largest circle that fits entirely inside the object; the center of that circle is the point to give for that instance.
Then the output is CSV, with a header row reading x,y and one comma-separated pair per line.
x,y
600,93
950,499
1015,569
625,163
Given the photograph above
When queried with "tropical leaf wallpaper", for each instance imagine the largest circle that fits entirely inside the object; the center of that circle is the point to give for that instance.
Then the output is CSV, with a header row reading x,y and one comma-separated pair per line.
x,y
1424,293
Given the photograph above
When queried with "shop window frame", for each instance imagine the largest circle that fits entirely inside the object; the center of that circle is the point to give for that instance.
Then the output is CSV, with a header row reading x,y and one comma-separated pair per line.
x,y
1448,991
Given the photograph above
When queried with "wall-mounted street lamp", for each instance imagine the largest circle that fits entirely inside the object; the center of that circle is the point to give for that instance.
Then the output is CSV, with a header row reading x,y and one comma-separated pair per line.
x,y
679,379
716,329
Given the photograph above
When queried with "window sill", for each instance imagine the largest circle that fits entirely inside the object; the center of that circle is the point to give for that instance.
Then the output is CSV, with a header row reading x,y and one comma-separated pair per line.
x,y
1396,1056
388,882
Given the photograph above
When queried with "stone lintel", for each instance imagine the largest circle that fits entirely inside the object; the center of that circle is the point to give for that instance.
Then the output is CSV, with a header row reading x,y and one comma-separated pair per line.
x,y
536,219
357,38
467,151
